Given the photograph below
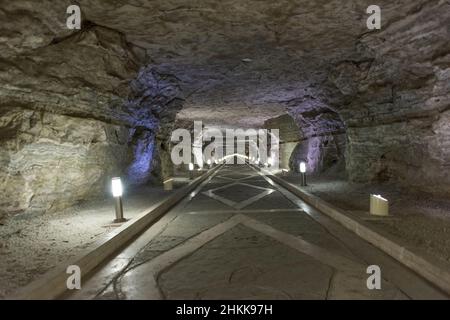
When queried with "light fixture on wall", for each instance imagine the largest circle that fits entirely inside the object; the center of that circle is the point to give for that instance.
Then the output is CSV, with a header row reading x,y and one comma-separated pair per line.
x,y
302,168
117,191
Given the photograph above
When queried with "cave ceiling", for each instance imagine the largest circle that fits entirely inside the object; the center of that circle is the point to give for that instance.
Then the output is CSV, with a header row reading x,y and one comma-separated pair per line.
x,y
239,62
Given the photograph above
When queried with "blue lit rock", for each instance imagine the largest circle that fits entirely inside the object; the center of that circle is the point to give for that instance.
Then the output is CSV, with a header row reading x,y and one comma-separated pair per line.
x,y
70,120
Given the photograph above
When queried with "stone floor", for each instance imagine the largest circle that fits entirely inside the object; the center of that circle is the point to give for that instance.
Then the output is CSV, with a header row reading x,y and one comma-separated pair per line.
x,y
31,245
420,219
240,236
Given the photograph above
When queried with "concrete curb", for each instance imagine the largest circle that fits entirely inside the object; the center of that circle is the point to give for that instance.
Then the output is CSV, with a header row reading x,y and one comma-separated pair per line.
x,y
53,283
435,271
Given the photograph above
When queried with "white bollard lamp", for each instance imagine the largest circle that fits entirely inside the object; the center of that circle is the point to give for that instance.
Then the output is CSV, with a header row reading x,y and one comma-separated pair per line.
x,y
117,191
302,168
191,171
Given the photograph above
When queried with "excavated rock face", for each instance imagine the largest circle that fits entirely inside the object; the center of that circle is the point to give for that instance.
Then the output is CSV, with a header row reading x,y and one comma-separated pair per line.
x,y
71,115
397,101
323,140
155,99
321,144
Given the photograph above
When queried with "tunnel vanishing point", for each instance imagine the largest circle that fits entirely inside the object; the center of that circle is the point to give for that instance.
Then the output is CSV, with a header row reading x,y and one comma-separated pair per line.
x,y
78,106
81,105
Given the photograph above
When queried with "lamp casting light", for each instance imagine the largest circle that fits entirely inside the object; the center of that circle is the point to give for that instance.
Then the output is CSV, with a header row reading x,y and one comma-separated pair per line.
x,y
117,191
303,173
116,185
302,167
191,169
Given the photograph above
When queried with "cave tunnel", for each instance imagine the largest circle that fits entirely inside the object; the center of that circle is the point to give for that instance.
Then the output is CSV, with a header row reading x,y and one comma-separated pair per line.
x,y
358,94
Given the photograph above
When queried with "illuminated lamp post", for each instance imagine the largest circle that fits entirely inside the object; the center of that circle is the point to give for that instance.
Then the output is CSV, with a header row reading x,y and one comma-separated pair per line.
x,y
303,173
191,171
117,191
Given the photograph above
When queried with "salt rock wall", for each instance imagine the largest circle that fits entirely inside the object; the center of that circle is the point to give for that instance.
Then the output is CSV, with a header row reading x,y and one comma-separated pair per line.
x,y
315,136
323,154
323,140
397,103
70,120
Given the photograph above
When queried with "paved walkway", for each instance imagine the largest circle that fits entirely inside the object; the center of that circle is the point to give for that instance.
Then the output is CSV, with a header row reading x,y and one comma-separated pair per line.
x,y
240,236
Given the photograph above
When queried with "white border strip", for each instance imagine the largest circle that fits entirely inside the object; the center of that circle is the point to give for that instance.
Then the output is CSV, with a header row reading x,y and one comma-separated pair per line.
x,y
435,271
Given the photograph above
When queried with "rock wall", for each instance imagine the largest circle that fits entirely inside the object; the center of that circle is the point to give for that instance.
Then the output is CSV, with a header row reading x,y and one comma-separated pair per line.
x,y
315,136
289,135
159,96
384,109
396,101
322,154
323,141
73,114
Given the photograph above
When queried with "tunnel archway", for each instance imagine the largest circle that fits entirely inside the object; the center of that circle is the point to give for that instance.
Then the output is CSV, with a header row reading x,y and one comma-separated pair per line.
x,y
315,135
79,107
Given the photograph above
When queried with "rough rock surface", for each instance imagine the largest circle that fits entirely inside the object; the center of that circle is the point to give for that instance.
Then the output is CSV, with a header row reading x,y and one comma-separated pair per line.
x,y
397,122
67,105
75,112
321,151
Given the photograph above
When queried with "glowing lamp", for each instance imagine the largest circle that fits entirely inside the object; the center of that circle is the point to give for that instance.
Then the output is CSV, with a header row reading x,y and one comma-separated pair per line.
x,y
191,171
303,173
379,206
117,189
302,167
168,184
